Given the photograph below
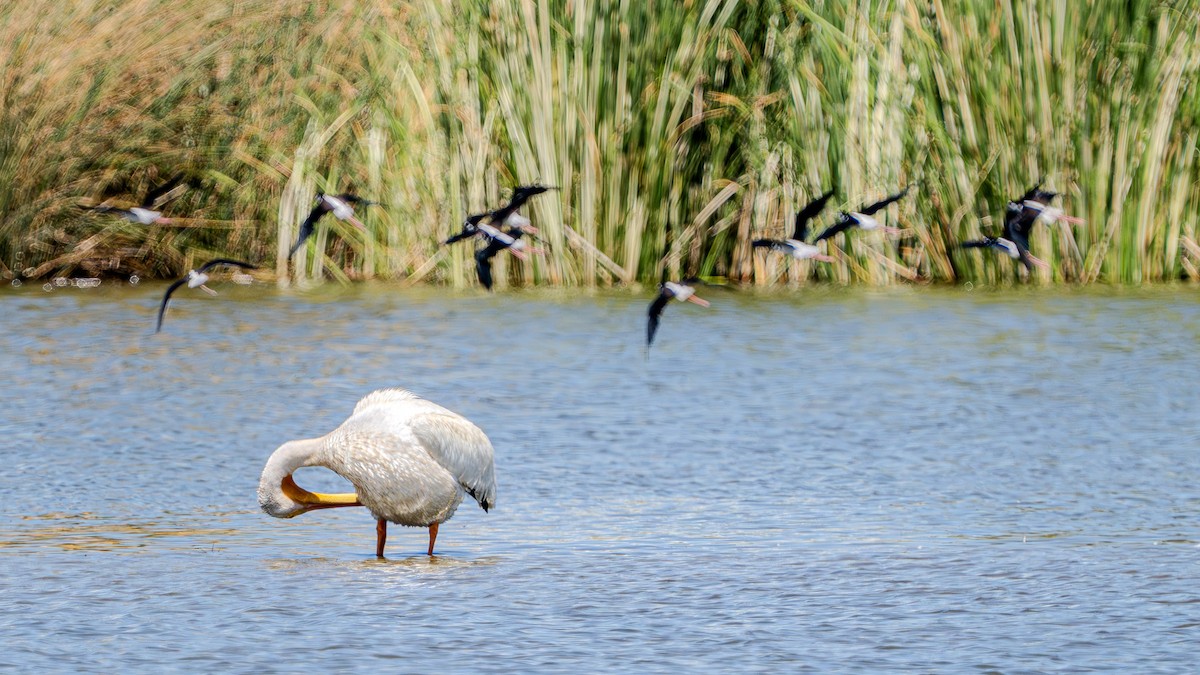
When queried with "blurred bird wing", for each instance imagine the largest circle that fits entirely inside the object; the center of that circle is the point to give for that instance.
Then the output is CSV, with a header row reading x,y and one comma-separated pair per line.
x,y
308,226
483,266
872,208
154,194
225,261
162,308
844,222
656,310
800,232
773,244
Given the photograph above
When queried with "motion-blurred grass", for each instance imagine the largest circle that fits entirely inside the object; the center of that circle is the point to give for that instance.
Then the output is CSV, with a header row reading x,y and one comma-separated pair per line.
x,y
716,118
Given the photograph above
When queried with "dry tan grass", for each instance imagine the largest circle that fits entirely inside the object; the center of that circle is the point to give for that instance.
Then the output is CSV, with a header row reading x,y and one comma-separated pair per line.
x,y
717,117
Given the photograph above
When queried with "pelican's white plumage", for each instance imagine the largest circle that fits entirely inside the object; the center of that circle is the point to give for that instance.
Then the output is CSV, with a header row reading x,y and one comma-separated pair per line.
x,y
409,460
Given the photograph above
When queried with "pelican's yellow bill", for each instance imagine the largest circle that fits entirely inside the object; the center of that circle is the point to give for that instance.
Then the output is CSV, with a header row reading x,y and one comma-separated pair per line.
x,y
316,500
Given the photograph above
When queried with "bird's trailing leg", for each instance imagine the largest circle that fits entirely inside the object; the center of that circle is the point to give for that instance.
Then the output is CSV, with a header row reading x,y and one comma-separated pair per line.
x,y
357,223
432,537
824,258
1070,219
892,230
699,301
208,290
1038,261
519,255
380,537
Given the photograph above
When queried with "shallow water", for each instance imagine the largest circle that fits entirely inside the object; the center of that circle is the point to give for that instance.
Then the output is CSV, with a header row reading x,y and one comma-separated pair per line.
x,y
912,479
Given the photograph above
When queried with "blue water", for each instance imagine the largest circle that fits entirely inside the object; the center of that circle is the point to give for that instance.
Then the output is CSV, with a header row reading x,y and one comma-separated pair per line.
x,y
810,481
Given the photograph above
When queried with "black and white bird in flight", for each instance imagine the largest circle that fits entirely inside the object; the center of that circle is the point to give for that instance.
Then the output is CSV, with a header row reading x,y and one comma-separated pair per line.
x,y
1035,206
1014,240
668,290
500,241
144,214
339,206
863,218
196,279
796,246
502,229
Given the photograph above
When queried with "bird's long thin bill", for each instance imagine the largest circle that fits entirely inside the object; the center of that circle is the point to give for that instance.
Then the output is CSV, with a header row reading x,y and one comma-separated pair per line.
x,y
699,301
317,500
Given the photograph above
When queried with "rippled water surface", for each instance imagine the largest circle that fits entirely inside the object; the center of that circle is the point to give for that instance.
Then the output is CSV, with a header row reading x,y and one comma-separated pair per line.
x,y
916,479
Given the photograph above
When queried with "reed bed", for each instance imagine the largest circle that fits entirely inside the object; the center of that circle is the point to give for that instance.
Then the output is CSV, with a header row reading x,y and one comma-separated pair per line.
x,y
712,120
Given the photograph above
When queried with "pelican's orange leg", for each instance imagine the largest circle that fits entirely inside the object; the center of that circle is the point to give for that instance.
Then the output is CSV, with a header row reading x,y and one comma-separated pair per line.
x,y
380,537
432,536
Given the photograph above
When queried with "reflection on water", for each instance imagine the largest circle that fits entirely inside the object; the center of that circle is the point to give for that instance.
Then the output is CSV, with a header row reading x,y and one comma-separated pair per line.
x,y
69,534
916,479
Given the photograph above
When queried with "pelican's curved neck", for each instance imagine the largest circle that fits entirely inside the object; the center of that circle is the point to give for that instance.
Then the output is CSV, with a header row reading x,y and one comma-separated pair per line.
x,y
279,495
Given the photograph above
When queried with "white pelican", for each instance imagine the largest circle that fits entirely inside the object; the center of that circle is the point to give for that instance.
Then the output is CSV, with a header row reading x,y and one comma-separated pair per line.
x,y
862,217
197,278
408,459
338,205
796,246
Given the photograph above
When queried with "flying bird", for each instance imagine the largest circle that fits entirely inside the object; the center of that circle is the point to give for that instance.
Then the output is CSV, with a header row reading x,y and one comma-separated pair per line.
x,y
474,225
863,217
796,246
497,241
1014,241
1009,248
682,291
144,214
409,460
338,205
500,241
196,279
1035,204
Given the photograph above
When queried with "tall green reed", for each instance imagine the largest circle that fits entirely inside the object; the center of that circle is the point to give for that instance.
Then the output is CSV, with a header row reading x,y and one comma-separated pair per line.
x,y
713,119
